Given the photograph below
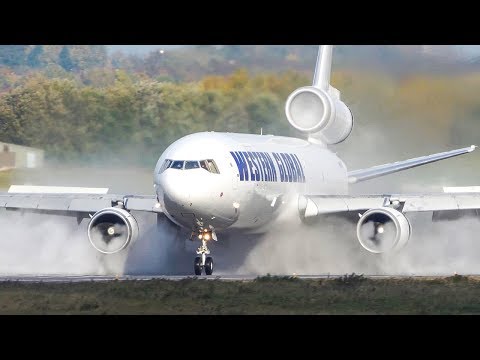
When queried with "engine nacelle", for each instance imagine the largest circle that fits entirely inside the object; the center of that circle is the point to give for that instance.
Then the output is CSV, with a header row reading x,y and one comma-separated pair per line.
x,y
382,230
319,114
111,230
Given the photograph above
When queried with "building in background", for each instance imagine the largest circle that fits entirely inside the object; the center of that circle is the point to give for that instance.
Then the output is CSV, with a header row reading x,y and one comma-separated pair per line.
x,y
17,156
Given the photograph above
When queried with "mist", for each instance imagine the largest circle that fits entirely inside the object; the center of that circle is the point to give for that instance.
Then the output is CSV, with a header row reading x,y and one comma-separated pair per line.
x,y
44,244
331,247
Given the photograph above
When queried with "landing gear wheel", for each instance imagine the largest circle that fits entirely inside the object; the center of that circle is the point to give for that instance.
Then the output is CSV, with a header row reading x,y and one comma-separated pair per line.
x,y
198,266
209,266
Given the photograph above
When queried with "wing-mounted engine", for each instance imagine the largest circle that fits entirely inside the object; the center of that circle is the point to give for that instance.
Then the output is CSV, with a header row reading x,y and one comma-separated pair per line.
x,y
111,230
317,111
382,230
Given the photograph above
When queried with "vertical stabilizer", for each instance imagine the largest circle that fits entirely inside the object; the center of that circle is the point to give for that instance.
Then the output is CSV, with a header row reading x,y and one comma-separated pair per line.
x,y
323,69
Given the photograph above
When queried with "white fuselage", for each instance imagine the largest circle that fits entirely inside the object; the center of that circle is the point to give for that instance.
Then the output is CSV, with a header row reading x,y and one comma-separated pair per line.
x,y
255,177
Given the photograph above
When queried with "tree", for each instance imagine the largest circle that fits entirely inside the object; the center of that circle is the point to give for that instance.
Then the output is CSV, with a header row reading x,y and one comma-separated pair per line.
x,y
34,57
64,59
265,112
12,55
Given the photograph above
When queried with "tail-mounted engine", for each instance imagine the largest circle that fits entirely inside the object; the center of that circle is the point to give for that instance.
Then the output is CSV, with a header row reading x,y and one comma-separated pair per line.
x,y
111,230
319,114
317,110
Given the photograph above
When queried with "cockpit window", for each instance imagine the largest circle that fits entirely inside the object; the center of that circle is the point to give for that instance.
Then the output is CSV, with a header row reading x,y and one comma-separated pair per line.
x,y
165,166
212,167
208,165
191,165
177,165
204,165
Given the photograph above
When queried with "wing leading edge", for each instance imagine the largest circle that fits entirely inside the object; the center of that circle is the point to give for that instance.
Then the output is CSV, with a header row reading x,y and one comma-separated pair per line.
x,y
386,169
74,204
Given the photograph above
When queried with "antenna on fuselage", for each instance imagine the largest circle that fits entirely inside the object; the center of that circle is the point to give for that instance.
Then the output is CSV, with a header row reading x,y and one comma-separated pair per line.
x,y
323,68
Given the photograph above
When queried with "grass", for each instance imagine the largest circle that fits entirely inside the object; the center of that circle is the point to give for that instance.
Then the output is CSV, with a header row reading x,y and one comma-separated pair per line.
x,y
352,294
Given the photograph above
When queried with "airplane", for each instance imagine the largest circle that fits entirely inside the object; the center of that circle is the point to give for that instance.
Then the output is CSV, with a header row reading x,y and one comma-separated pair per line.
x,y
210,183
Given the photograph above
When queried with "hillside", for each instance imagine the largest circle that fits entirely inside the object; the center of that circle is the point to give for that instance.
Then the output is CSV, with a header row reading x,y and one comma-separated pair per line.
x,y
192,62
83,104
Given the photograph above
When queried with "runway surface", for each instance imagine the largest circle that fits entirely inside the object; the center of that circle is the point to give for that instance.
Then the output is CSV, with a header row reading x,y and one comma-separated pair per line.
x,y
101,278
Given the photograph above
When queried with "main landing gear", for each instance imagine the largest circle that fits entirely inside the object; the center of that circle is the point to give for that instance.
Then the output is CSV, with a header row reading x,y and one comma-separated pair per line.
x,y
204,262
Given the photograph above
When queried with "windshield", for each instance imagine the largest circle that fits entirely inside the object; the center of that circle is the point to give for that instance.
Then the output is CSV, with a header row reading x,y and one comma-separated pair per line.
x,y
208,165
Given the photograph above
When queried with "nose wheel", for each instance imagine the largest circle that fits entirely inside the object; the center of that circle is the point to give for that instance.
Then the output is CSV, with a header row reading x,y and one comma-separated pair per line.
x,y
198,266
203,262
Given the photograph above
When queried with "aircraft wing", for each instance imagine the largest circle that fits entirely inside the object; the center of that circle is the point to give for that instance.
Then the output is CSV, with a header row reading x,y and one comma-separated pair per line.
x,y
381,170
75,204
441,203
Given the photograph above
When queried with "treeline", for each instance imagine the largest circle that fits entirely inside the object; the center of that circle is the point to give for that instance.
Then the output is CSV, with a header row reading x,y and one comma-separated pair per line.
x,y
67,57
134,121
93,65
80,103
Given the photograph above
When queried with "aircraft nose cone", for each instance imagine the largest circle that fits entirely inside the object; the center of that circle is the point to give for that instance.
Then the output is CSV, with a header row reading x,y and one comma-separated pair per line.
x,y
175,189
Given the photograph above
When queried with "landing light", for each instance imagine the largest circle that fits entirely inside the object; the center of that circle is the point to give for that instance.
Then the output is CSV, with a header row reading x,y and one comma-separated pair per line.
x,y
236,205
200,236
207,236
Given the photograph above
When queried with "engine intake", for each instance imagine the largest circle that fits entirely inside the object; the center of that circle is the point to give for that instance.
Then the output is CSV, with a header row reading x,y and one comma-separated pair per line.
x,y
111,230
320,114
382,230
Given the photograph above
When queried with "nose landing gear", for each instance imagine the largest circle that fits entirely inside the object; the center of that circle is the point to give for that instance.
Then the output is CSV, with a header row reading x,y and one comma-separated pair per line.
x,y
204,262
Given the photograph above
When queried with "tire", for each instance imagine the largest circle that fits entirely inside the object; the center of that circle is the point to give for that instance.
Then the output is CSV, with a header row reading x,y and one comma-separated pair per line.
x,y
209,266
198,266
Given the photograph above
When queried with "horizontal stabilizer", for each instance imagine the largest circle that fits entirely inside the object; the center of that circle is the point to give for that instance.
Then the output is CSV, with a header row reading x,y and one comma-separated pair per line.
x,y
27,189
382,170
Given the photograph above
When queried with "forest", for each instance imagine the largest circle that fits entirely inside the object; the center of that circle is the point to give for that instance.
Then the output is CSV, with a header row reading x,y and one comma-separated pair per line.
x,y
83,105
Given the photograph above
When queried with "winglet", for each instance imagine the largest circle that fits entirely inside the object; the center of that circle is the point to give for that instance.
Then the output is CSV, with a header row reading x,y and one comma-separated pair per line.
x,y
472,148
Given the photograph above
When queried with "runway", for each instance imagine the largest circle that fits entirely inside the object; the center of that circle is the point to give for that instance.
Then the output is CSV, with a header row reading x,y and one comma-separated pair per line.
x,y
102,278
